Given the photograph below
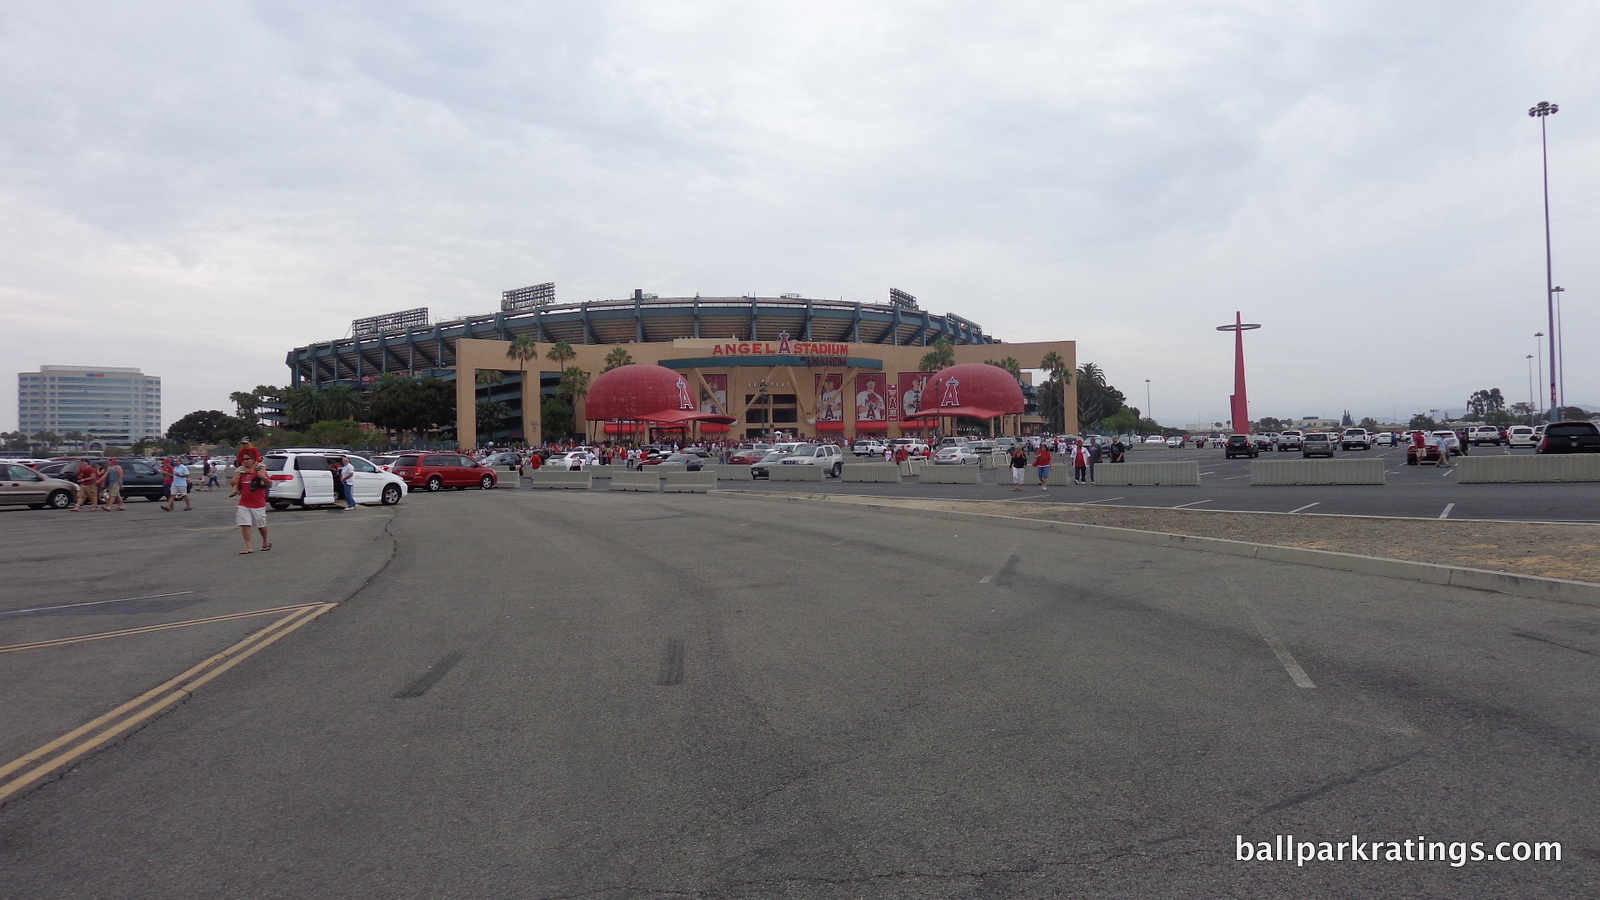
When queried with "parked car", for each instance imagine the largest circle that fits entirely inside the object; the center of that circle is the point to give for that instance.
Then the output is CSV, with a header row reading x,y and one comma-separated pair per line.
x,y
1355,439
749,454
826,455
385,461
1521,436
1176,442
576,460
956,455
302,477
868,447
1386,439
1316,443
694,462
21,485
1290,440
916,447
1155,439
1263,441
759,468
502,458
1240,445
1484,434
437,471
1570,437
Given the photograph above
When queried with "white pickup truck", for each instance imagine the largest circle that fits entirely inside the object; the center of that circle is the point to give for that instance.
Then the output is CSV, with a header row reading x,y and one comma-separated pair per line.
x,y
1355,439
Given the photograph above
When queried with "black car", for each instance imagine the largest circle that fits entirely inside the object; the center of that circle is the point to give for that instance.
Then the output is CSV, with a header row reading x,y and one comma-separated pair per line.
x,y
141,477
1240,445
1570,437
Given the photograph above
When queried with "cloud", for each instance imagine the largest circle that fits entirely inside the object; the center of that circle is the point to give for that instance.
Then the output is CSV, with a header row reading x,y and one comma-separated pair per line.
x,y
227,181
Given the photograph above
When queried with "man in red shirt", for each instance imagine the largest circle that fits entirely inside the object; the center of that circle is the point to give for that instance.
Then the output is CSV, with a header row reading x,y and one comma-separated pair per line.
x,y
251,486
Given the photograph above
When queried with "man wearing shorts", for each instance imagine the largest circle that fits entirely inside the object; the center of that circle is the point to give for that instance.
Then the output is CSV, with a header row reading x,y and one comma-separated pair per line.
x,y
251,485
1041,461
180,488
88,485
112,492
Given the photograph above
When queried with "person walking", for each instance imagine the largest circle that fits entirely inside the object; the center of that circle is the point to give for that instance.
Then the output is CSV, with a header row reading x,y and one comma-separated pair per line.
x,y
1019,467
114,478
1445,443
347,482
1094,459
1080,463
1041,461
251,486
88,489
179,489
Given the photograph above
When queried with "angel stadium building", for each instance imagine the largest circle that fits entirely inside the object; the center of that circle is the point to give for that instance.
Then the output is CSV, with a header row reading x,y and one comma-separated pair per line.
x,y
755,364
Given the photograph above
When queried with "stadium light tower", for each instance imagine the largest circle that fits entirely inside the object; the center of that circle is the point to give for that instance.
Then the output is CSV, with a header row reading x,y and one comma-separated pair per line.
x,y
1238,403
1541,112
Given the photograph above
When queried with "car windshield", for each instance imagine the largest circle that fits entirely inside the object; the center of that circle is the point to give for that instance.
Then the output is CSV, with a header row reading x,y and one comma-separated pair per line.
x,y
807,450
775,454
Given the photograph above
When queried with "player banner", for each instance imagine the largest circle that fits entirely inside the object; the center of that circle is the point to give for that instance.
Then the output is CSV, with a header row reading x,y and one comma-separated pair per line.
x,y
717,400
830,402
872,406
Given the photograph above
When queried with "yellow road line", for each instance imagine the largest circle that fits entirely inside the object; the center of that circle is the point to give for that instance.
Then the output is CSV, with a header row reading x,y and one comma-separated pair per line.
x,y
146,629
165,695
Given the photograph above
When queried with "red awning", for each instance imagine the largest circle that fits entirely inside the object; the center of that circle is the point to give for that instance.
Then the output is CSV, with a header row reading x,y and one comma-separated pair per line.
x,y
830,426
875,425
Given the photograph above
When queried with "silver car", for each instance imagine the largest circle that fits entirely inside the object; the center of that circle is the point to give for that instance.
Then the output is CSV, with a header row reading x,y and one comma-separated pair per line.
x,y
20,485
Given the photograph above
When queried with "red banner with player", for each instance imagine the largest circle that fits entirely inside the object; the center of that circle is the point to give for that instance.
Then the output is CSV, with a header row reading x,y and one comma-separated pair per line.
x,y
872,402
830,402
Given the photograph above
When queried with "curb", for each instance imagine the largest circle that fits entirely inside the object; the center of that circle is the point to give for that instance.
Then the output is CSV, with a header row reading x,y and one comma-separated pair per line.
x,y
1558,589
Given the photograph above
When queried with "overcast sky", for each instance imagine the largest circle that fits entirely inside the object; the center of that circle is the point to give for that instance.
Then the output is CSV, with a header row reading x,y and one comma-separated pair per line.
x,y
195,188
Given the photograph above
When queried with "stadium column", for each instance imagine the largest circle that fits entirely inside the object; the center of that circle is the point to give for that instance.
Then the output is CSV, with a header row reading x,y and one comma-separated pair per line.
x,y
466,404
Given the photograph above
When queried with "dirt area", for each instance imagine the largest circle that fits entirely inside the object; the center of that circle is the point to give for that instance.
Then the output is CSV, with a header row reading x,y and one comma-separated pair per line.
x,y
1552,551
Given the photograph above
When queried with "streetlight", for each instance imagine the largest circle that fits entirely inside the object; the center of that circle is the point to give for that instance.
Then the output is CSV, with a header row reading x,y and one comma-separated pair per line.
x,y
1541,112
1147,413
1559,361
1538,350
1530,389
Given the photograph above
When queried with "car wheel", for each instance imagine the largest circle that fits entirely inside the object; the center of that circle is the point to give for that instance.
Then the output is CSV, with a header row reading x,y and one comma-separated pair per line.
x,y
280,505
486,482
391,494
59,500
838,469
435,484
154,499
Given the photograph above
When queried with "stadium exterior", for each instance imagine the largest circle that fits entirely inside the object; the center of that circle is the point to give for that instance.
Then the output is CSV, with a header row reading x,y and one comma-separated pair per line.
x,y
773,363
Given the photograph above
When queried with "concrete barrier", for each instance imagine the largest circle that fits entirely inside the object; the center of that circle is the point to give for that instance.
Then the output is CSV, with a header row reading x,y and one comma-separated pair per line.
x,y
624,480
688,482
725,472
950,475
912,466
1521,469
1316,471
1131,474
546,479
879,473
796,473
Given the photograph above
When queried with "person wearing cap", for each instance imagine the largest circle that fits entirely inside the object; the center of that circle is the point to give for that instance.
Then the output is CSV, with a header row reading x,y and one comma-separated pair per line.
x,y
248,456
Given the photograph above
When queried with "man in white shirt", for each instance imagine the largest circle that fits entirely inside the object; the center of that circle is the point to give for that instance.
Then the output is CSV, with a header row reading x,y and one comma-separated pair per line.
x,y
347,483
180,487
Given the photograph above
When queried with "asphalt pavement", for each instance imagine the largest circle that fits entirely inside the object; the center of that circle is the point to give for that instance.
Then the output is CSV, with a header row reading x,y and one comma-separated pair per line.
x,y
1425,492
565,694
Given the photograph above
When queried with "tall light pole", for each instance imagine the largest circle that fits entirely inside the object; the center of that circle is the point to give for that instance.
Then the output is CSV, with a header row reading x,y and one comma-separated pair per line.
x,y
1147,413
1538,352
1531,394
1559,361
1543,111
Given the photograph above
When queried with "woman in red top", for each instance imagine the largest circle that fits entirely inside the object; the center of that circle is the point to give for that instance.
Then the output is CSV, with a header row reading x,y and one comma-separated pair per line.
x,y
251,486
1041,461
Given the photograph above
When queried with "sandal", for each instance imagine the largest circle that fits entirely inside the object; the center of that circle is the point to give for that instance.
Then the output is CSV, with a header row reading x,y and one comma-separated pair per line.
x,y
265,547
243,552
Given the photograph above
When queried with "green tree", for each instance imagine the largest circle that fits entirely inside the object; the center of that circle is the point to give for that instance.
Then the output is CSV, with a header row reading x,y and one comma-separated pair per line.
x,y
1369,423
574,384
489,377
1053,396
618,357
1484,404
246,403
14,440
1422,422
1123,421
490,414
1573,414
77,439
47,439
1096,398
561,353
341,401
417,405
943,355
523,349
557,417
198,427
1009,364
336,433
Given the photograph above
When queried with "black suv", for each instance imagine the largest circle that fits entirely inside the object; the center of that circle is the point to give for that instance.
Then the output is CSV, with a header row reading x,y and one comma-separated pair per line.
x,y
1240,445
141,477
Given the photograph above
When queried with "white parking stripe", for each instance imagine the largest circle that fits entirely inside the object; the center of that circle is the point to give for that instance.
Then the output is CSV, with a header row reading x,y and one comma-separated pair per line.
x,y
1447,508
1306,507
995,573
1106,500
1185,505
1279,648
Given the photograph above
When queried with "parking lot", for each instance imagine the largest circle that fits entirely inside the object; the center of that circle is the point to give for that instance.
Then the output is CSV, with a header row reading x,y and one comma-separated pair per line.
x,y
558,694
1425,492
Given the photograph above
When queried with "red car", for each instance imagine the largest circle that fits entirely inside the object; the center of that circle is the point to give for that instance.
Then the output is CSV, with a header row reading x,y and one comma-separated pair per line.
x,y
437,471
746,456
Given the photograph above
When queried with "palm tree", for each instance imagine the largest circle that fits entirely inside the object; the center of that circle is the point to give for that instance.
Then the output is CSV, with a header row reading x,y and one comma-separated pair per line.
x,y
941,356
1010,364
247,403
340,401
561,353
490,376
618,357
301,408
47,438
490,414
1060,376
76,437
574,383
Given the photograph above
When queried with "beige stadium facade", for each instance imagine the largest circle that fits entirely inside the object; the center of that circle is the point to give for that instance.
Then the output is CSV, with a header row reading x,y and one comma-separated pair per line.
x,y
789,385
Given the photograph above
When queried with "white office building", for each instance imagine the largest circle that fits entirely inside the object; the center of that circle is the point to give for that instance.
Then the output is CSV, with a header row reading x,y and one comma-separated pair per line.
x,y
111,406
